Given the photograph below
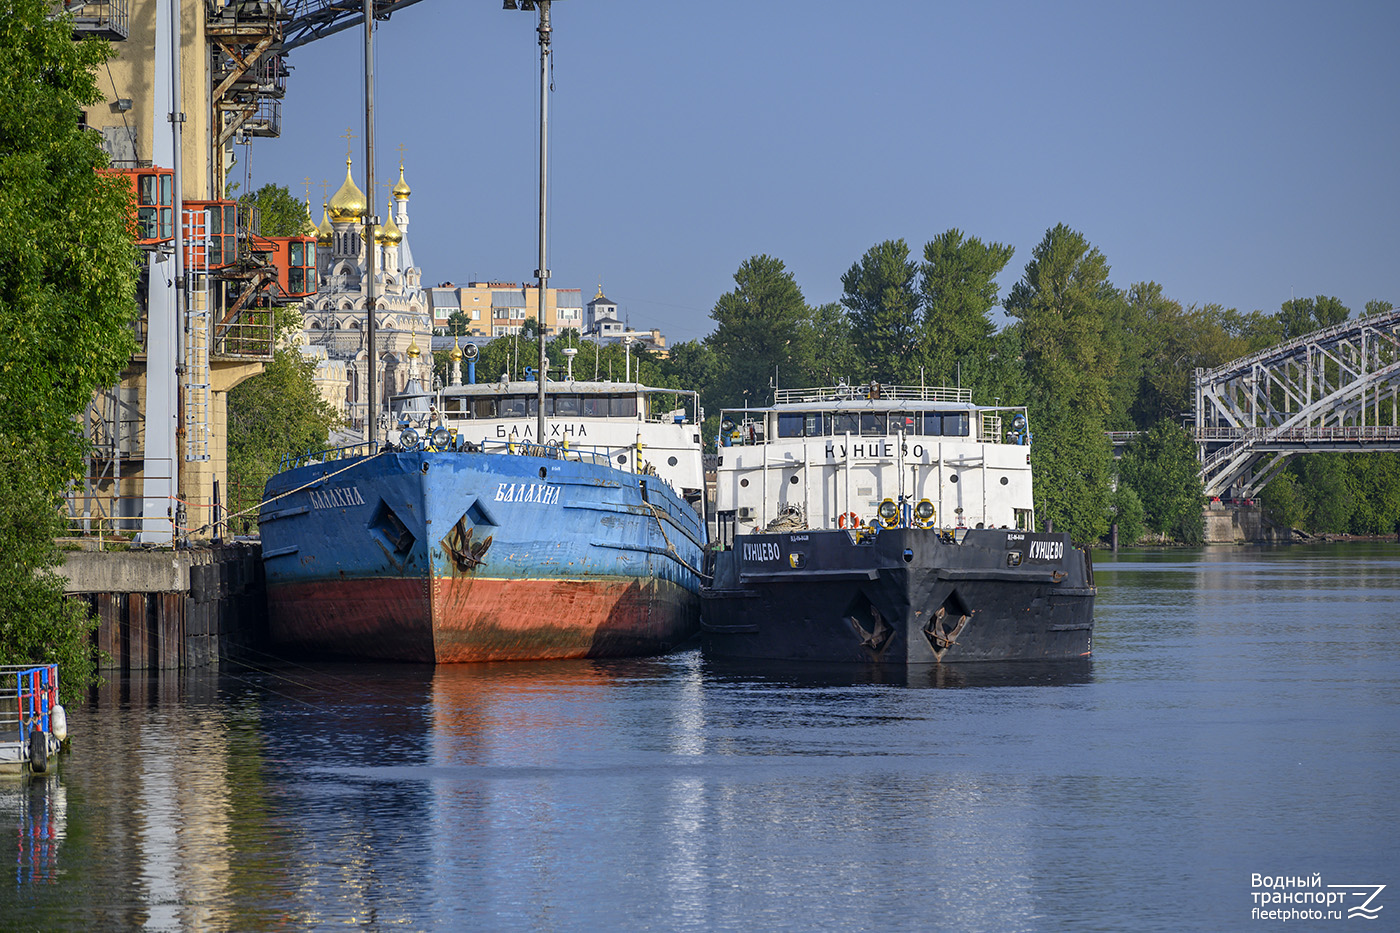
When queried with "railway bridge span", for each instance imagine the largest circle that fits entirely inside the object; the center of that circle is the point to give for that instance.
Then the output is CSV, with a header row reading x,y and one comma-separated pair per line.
x,y
1335,389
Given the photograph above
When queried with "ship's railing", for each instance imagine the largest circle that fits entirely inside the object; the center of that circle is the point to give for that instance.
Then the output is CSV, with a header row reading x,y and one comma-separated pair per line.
x,y
596,455
28,694
872,391
326,455
460,443
642,403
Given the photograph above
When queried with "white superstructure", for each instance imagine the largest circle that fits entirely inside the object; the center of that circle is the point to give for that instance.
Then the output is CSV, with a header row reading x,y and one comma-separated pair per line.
x,y
638,428
829,458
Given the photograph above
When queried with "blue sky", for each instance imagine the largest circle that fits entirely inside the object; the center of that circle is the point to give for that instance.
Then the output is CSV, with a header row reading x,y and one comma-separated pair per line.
x,y
1236,153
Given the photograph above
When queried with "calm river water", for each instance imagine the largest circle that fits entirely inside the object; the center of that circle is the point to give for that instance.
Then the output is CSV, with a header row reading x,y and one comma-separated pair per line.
x,y
1239,717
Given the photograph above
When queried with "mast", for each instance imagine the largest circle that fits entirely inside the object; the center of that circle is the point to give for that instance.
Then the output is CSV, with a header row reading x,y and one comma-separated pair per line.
x,y
371,331
542,273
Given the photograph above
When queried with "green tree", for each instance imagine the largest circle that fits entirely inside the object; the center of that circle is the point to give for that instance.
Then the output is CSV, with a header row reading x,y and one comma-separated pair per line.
x,y
37,625
1180,341
67,303
1129,514
1257,329
1376,306
1374,483
1329,498
459,324
277,413
1301,316
1283,501
279,212
831,353
884,313
764,331
1063,304
1126,331
1161,466
958,290
690,365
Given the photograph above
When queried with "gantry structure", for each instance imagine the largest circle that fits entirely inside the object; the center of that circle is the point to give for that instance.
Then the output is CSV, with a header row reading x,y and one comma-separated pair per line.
x,y
190,79
309,20
1334,389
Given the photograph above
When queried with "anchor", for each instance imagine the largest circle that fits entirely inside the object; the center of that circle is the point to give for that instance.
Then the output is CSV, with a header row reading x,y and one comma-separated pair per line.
x,y
458,544
940,639
879,633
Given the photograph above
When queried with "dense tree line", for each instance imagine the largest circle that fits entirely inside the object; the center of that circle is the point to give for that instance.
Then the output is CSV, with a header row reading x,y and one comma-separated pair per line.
x,y
1086,356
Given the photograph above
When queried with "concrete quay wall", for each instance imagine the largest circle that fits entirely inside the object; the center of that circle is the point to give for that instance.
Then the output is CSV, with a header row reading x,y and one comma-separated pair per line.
x,y
171,608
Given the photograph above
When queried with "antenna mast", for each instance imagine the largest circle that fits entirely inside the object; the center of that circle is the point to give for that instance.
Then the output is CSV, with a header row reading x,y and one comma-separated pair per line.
x,y
542,273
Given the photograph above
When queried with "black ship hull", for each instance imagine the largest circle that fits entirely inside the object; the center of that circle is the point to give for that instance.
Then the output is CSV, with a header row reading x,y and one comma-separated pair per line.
x,y
902,596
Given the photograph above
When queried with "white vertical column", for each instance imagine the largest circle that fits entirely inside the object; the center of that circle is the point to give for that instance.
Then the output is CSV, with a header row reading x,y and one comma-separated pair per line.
x,y
162,330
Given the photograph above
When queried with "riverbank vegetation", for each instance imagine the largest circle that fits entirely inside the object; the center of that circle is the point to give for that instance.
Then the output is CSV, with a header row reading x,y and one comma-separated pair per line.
x,y
1085,356
67,308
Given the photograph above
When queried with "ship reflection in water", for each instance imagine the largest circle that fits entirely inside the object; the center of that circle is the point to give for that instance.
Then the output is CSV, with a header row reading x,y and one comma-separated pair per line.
x,y
944,676
33,815
676,793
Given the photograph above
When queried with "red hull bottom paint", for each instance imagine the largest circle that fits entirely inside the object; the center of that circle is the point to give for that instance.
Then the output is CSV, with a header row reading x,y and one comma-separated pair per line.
x,y
473,619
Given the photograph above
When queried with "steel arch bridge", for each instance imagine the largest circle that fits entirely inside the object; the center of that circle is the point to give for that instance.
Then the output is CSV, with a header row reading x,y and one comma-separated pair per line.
x,y
1335,389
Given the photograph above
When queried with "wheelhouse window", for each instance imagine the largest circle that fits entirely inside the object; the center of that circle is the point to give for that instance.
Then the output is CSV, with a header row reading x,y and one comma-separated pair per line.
x,y
903,421
567,406
874,423
595,406
484,407
812,424
956,424
623,406
790,424
933,424
512,406
845,422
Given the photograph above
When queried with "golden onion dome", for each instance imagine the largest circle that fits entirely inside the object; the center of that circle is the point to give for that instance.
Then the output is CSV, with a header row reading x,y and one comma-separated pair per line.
x,y
455,354
402,190
348,204
308,227
388,233
324,233
413,350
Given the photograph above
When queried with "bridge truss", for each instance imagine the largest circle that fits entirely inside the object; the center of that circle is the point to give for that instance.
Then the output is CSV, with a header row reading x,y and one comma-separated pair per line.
x,y
1334,389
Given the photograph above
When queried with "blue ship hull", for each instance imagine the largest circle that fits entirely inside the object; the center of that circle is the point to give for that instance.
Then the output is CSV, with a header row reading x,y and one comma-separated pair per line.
x,y
447,556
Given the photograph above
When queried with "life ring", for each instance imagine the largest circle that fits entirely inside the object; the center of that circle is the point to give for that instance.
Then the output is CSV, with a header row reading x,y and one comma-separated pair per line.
x,y
848,520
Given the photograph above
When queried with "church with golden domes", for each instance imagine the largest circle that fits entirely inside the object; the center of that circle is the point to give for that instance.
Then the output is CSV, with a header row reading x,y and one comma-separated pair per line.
x,y
334,319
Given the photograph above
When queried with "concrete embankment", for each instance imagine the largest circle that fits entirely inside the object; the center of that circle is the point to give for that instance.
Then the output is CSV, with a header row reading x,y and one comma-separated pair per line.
x,y
1242,523
171,608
